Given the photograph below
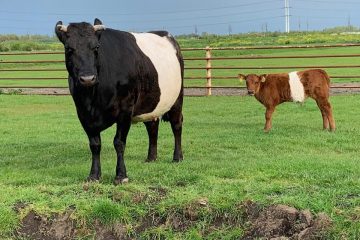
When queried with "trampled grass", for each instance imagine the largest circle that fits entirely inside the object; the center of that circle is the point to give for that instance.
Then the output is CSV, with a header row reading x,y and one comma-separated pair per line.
x,y
44,159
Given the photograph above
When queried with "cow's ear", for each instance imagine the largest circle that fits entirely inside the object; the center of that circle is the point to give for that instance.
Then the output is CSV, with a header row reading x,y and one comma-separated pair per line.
x,y
263,78
241,77
60,31
98,27
97,21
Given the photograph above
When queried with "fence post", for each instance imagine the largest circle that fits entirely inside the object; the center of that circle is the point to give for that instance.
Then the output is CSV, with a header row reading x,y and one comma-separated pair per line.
x,y
208,71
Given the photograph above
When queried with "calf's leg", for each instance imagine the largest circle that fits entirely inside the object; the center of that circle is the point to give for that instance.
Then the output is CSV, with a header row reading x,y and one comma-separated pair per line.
x,y
331,119
152,128
122,130
268,115
324,116
95,147
326,111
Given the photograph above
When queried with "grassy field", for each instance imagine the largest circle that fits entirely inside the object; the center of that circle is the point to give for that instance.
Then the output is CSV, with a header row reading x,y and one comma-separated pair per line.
x,y
44,159
213,41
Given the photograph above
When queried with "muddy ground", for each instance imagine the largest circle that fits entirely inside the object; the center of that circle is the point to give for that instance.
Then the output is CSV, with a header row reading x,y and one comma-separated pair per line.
x,y
272,222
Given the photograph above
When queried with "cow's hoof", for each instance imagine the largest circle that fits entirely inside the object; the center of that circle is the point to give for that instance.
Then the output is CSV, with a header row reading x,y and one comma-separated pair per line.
x,y
118,181
93,178
150,160
177,160
178,157
266,130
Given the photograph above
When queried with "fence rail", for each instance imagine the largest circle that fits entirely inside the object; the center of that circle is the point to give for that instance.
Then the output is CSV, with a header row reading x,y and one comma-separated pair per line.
x,y
207,67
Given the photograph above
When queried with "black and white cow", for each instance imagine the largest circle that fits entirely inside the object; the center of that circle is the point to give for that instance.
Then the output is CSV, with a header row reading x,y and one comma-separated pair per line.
x,y
121,77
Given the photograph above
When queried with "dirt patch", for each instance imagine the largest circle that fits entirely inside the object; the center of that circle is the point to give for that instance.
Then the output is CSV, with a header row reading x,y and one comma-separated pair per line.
x,y
19,206
63,227
156,195
273,222
115,232
57,226
175,219
284,222
149,221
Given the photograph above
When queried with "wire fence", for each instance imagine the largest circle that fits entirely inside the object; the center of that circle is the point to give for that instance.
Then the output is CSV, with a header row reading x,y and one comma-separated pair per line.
x,y
199,68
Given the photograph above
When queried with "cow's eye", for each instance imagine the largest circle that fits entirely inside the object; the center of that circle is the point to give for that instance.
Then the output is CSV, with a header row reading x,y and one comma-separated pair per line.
x,y
69,49
96,47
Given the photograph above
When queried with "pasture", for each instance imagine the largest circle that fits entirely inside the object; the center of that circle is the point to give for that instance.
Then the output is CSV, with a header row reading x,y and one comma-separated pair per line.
x,y
228,160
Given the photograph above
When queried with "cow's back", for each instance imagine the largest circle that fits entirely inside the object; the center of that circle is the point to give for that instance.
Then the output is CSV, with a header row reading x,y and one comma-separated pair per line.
x,y
315,81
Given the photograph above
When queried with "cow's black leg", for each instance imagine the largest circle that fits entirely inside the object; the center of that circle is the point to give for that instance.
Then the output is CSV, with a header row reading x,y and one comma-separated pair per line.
x,y
176,120
95,147
152,128
122,131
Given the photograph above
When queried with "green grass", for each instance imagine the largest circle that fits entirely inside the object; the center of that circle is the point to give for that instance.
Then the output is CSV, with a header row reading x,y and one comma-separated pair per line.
x,y
44,159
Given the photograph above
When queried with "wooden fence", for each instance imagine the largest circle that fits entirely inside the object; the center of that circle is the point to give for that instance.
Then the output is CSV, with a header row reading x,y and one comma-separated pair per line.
x,y
206,65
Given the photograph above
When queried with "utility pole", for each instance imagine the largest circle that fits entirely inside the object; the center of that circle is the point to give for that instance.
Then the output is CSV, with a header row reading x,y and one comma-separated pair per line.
x,y
299,24
230,29
307,25
287,16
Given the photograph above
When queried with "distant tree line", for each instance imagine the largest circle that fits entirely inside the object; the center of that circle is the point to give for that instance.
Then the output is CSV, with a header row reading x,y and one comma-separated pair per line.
x,y
13,42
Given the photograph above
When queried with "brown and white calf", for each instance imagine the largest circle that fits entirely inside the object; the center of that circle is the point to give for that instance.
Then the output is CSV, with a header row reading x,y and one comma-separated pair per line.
x,y
274,89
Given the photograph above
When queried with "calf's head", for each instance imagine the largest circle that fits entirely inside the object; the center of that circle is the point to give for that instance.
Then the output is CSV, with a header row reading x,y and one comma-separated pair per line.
x,y
81,43
253,82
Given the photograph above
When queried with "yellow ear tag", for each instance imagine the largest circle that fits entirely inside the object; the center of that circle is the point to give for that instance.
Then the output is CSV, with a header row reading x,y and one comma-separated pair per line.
x,y
263,79
241,78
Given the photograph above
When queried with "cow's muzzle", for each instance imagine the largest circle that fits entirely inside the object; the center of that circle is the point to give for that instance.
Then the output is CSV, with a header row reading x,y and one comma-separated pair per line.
x,y
88,80
251,92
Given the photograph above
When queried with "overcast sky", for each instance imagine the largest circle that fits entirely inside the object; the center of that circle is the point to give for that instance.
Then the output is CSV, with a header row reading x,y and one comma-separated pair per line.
x,y
178,17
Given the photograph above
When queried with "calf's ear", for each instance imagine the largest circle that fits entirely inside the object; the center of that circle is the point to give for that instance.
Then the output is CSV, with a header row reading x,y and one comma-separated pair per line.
x,y
241,77
263,78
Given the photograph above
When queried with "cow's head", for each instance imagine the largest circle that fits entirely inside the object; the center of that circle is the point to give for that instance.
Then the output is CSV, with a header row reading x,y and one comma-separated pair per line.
x,y
253,82
81,43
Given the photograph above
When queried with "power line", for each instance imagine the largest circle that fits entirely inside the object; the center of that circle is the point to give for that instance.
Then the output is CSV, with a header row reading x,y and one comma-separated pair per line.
x,y
199,17
230,22
325,1
159,20
323,9
146,13
318,17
